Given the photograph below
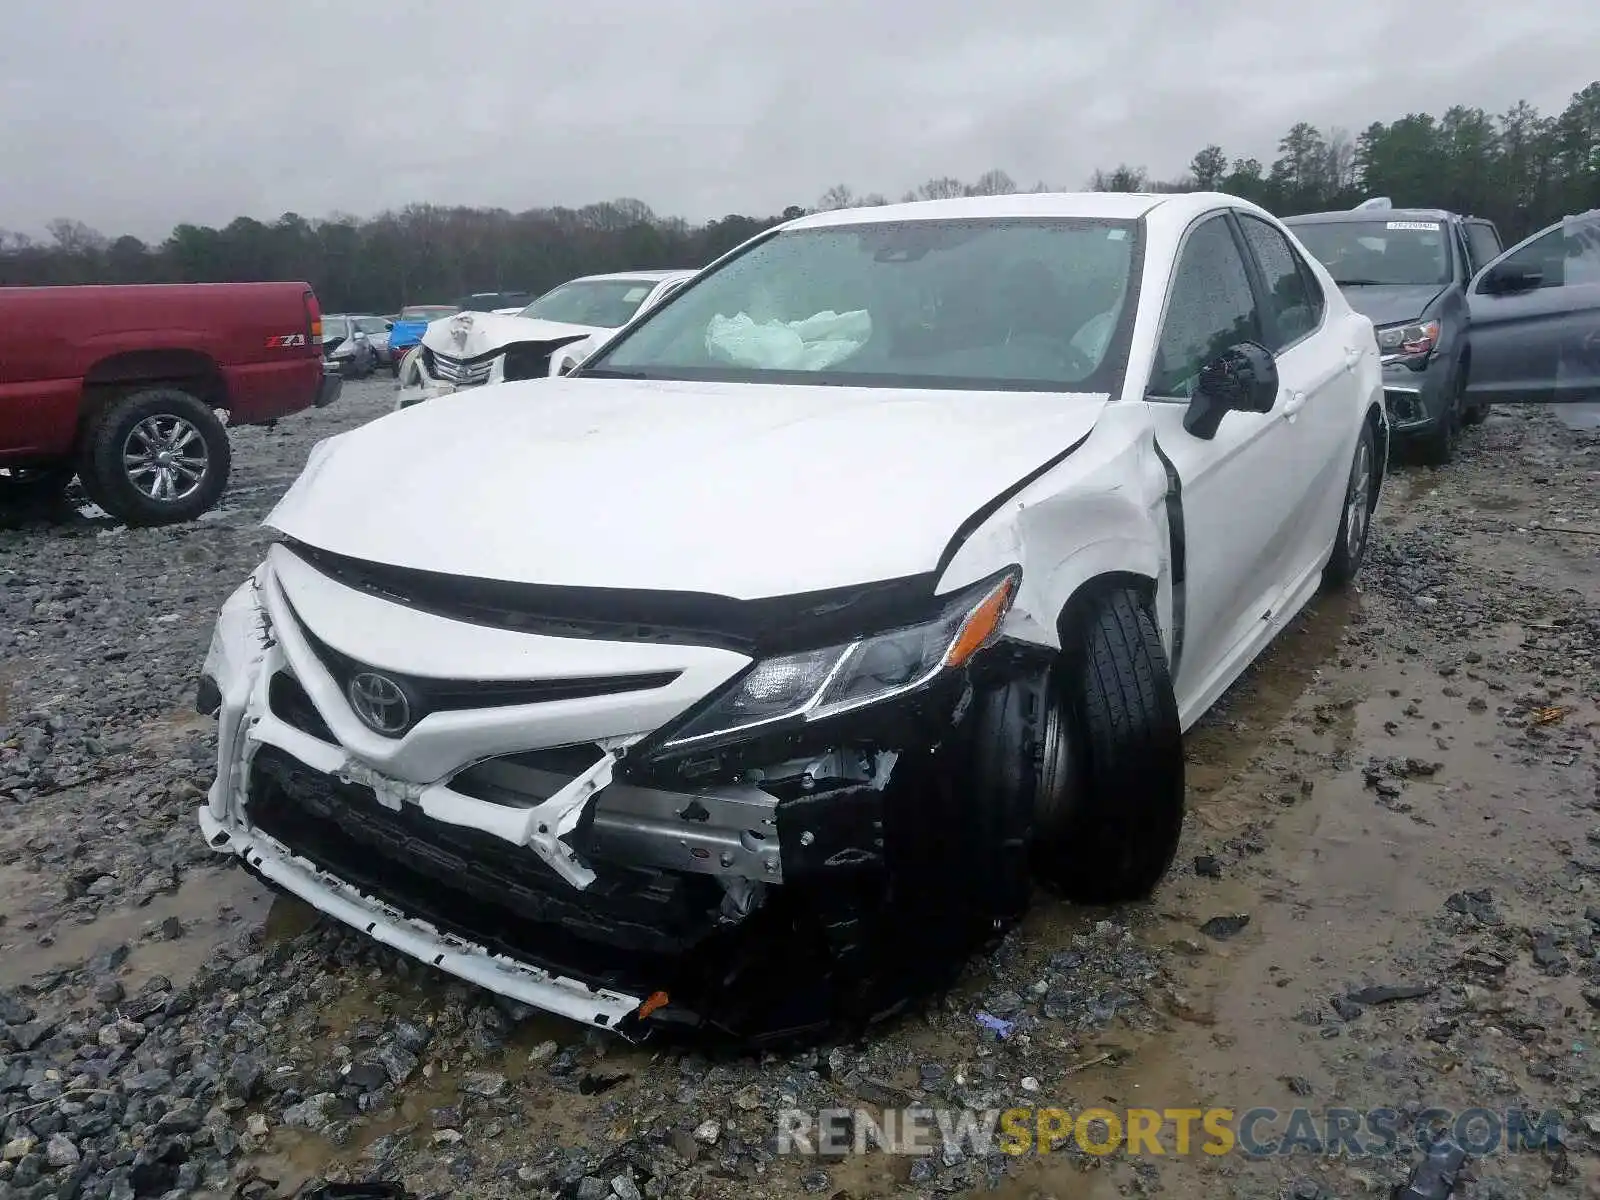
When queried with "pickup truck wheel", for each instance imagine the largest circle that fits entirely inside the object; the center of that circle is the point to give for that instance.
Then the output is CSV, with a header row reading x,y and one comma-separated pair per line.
x,y
1355,515
1109,806
158,457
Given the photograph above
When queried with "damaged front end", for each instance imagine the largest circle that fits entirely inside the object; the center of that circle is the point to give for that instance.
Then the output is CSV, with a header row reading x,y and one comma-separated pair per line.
x,y
639,825
475,349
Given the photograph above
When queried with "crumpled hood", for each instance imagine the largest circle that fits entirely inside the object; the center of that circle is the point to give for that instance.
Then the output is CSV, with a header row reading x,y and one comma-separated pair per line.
x,y
740,490
483,333
1387,303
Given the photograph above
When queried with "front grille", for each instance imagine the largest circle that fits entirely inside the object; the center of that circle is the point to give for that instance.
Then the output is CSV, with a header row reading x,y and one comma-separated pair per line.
x,y
460,371
478,886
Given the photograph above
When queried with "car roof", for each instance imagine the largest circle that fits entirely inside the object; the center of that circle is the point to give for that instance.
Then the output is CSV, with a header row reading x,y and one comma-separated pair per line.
x,y
642,276
1165,209
1113,205
1371,214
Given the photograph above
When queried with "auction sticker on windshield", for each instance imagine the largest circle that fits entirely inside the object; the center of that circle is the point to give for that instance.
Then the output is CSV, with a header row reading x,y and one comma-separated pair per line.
x,y
1433,225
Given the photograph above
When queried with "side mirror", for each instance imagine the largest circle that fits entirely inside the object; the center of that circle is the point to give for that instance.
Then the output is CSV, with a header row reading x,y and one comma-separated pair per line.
x,y
1243,378
388,326
1509,277
567,366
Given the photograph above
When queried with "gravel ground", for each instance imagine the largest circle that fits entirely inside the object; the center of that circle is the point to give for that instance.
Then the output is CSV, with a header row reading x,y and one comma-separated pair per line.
x,y
1404,793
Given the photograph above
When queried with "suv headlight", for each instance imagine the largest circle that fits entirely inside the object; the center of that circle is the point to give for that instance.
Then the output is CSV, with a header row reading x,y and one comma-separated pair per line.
x,y
1408,339
824,683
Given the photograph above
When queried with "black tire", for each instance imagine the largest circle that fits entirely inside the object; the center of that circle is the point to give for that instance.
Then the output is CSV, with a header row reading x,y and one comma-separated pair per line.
x,y
1438,447
136,424
35,485
1109,809
1355,514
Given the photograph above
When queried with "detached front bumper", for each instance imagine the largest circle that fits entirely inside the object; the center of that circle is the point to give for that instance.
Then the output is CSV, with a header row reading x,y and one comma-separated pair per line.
x,y
506,838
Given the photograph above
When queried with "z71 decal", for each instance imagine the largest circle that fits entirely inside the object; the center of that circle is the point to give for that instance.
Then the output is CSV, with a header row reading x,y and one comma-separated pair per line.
x,y
286,339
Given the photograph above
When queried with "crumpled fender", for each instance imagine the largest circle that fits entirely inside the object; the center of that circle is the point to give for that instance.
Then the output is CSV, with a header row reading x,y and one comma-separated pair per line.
x,y
1100,511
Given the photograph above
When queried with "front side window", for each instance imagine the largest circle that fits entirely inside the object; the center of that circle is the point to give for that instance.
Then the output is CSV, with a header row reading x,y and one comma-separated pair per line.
x,y
1375,253
1566,256
1289,297
989,304
1212,308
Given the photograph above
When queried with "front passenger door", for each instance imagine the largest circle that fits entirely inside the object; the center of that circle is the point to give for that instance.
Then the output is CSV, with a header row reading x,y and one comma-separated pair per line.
x,y
1237,491
1540,342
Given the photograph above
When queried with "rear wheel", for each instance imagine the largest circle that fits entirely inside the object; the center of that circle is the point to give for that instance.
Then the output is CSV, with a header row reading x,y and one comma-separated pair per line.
x,y
1110,799
157,457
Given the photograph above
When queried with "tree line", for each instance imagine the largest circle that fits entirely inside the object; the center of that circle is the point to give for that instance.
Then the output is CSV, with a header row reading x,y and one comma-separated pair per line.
x,y
1520,168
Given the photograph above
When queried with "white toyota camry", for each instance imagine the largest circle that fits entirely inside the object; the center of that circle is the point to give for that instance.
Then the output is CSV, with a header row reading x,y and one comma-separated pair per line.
x,y
769,658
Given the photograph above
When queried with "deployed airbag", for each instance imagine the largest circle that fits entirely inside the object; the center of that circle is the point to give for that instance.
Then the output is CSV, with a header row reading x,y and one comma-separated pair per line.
x,y
814,344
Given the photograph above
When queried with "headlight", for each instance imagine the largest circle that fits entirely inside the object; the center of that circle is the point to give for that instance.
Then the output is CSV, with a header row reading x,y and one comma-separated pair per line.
x,y
1410,339
823,683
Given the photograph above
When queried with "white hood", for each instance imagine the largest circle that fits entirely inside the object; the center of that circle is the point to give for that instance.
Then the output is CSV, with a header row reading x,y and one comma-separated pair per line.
x,y
486,332
741,490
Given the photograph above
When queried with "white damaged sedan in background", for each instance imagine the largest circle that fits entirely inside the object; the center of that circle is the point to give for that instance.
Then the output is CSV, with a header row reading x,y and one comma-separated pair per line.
x,y
750,678
546,338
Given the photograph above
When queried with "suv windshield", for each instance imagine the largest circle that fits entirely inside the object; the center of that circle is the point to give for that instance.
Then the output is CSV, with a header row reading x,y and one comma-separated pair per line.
x,y
605,303
1365,252
1024,304
427,312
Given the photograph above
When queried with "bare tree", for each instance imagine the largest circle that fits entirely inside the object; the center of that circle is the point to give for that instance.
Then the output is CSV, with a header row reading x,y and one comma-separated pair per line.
x,y
838,196
942,188
993,182
75,237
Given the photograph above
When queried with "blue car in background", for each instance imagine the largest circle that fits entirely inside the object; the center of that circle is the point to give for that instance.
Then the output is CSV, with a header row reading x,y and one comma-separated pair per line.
x,y
408,327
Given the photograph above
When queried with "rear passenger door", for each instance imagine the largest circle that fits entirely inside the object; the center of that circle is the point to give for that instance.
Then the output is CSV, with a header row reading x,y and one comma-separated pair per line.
x,y
1237,493
1321,402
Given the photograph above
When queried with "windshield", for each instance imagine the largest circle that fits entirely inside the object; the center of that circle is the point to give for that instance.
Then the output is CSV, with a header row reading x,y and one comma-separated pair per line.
x,y
1360,253
987,304
604,303
427,312
371,325
334,327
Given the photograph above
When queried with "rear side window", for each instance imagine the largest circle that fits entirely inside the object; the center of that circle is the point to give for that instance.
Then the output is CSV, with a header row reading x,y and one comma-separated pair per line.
x,y
1483,241
1212,307
1294,309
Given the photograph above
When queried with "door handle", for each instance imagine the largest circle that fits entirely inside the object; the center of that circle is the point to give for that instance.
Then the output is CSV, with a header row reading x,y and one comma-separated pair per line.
x,y
1292,405
1352,356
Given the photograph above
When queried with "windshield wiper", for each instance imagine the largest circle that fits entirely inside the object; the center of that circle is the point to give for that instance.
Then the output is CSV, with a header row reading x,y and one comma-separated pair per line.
x,y
1359,282
609,373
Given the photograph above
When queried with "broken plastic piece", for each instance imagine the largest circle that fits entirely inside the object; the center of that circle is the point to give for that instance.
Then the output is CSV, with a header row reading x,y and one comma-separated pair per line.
x,y
1436,1176
656,1000
1002,1029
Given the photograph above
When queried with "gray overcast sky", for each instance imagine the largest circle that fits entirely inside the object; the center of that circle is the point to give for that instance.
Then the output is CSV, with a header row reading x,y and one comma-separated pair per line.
x,y
133,117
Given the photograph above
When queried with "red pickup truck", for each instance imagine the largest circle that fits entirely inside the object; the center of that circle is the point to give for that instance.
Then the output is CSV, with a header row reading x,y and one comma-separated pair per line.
x,y
119,385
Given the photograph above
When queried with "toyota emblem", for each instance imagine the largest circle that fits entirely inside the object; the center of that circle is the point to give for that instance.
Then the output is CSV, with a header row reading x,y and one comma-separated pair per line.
x,y
380,703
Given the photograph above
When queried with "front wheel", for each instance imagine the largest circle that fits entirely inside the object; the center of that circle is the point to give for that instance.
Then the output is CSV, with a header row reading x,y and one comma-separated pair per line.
x,y
1110,799
1355,516
158,457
